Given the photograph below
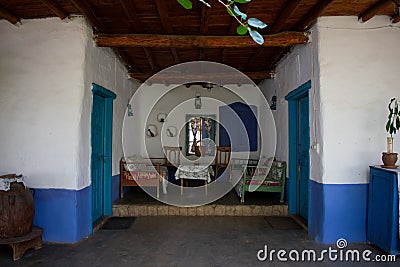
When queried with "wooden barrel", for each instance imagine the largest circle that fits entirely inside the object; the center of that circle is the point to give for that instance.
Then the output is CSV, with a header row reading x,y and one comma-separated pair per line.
x,y
16,211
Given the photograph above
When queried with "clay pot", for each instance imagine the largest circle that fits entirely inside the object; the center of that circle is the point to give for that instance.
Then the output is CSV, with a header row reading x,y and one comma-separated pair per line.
x,y
16,211
389,159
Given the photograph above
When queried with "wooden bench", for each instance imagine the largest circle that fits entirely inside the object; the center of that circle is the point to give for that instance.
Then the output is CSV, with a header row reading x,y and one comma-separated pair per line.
x,y
151,175
268,177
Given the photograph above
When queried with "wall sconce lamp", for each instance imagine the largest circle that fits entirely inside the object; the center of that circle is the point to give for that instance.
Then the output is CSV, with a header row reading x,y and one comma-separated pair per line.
x,y
197,101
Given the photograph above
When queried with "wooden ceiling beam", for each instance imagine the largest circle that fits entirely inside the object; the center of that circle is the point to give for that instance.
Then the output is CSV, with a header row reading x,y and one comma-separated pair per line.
x,y
172,77
126,59
395,18
56,8
282,39
374,9
284,16
313,14
205,18
150,58
162,9
277,57
397,2
277,26
131,14
9,16
163,14
88,12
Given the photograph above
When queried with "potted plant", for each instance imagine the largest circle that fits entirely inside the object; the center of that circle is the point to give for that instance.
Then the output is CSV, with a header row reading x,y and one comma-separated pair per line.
x,y
389,158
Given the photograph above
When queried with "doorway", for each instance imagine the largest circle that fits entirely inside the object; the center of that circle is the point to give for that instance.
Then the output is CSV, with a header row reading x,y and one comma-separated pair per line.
x,y
101,144
299,150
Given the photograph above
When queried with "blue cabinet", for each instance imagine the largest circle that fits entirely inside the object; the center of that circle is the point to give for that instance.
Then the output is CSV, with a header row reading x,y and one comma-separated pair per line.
x,y
383,209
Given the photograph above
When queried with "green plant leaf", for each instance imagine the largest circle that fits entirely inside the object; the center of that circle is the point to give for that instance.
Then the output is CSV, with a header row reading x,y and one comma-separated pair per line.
x,y
239,13
241,30
185,3
388,126
398,123
242,1
257,37
256,23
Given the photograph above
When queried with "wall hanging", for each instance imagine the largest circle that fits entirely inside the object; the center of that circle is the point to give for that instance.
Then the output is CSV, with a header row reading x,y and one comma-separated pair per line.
x,y
171,131
151,130
161,117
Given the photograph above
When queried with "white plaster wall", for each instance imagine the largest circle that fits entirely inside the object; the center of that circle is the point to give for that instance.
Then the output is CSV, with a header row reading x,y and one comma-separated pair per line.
x,y
359,75
353,69
174,103
41,78
295,69
103,67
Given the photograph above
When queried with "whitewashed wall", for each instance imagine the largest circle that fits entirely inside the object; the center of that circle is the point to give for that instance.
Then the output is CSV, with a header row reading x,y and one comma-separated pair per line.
x,y
359,75
354,72
103,67
46,70
298,67
41,76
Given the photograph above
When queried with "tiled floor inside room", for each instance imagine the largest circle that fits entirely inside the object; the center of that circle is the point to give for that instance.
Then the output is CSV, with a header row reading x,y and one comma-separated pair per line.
x,y
183,241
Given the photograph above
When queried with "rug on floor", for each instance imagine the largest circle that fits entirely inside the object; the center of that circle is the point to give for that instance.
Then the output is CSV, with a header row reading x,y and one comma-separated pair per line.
x,y
118,223
282,222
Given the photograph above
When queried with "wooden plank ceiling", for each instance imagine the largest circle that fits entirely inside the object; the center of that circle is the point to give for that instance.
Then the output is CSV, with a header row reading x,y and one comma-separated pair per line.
x,y
150,35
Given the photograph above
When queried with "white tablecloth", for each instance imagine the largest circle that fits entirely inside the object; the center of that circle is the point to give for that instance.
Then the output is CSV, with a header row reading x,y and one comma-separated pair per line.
x,y
196,172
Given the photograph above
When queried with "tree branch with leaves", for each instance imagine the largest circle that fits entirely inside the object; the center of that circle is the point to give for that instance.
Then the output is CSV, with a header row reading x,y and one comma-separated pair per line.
x,y
246,25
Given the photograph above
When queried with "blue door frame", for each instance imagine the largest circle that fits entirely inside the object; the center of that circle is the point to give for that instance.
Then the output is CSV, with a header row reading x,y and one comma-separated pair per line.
x,y
293,190
108,127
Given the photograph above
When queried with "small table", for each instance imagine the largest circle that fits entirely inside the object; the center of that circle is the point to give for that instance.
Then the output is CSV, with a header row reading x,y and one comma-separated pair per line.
x,y
194,172
22,243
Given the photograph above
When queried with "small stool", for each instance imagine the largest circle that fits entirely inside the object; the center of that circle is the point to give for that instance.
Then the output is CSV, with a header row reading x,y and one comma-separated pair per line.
x,y
22,243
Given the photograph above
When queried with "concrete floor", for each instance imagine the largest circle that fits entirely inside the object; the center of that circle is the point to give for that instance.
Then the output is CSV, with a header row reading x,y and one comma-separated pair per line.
x,y
181,241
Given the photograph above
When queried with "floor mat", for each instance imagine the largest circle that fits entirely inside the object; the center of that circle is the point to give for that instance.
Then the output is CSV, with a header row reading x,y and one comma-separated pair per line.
x,y
118,223
282,222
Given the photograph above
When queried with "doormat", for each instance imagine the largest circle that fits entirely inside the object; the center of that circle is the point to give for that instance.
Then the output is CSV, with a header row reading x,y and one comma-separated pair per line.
x,y
118,223
282,222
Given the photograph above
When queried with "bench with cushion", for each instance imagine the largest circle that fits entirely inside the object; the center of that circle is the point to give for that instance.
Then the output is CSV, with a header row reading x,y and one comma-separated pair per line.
x,y
269,176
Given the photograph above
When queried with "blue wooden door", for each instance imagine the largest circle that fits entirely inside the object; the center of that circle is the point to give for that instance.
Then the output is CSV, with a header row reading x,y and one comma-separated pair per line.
x,y
303,156
98,159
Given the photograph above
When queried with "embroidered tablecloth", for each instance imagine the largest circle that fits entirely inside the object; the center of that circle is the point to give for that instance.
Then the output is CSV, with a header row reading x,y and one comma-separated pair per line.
x,y
5,181
196,172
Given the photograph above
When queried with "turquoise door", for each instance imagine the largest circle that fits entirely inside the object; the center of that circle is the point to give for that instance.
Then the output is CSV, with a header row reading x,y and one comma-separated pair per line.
x,y
303,156
98,157
299,154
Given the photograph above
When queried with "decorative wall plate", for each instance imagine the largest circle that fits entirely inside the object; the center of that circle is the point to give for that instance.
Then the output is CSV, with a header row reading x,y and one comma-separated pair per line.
x,y
161,117
171,131
151,130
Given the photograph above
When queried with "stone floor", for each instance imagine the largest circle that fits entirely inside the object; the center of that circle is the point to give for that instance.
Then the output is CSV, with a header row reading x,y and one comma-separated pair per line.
x,y
183,241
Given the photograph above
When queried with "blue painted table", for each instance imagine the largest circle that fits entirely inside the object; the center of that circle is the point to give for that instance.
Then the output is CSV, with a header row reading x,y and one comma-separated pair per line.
x,y
383,209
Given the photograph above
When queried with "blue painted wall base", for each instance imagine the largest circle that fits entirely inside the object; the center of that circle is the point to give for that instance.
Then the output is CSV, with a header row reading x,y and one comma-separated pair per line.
x,y
338,211
65,215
